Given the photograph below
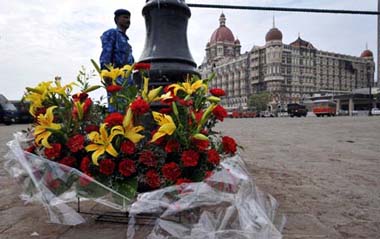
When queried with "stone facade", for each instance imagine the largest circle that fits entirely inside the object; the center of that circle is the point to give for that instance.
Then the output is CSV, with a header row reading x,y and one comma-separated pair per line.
x,y
291,72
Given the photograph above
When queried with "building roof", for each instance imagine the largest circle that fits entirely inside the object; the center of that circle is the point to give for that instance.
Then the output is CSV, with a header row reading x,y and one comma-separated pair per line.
x,y
273,35
223,33
302,43
366,53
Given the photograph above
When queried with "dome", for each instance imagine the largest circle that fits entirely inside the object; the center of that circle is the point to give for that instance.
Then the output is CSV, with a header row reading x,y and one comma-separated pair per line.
x,y
273,35
366,53
302,43
223,33
237,42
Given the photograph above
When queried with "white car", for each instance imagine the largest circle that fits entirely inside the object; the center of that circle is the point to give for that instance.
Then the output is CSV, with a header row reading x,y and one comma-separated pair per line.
x,y
375,111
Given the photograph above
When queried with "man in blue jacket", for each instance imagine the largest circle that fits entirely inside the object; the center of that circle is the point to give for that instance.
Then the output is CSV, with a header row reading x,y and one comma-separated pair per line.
x,y
115,47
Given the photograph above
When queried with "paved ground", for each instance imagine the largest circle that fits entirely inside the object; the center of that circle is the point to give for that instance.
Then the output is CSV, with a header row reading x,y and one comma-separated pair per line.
x,y
325,173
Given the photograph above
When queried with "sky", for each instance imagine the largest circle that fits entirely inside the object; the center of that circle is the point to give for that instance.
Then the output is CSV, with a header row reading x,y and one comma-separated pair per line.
x,y
41,39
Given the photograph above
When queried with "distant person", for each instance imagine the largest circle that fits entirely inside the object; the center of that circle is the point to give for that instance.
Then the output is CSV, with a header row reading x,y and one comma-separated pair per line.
x,y
115,47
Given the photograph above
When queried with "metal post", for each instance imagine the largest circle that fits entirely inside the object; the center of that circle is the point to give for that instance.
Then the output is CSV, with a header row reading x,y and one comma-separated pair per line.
x,y
166,46
370,95
378,43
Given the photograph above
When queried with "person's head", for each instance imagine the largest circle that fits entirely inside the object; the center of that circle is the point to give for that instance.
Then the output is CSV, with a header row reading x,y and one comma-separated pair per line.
x,y
122,18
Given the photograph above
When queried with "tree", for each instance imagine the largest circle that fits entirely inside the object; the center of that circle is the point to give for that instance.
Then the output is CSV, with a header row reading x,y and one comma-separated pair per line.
x,y
259,101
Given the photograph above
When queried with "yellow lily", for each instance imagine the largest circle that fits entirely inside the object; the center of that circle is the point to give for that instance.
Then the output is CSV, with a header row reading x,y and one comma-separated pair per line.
x,y
37,95
128,130
152,95
166,96
61,90
112,73
167,125
101,143
44,127
188,87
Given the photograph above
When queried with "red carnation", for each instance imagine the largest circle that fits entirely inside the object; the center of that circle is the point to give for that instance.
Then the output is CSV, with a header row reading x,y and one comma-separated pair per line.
x,y
139,106
198,115
171,171
148,158
30,149
90,128
217,92
54,151
107,166
142,66
229,145
213,157
183,180
127,167
68,161
172,146
114,88
75,143
219,112
201,145
114,119
128,147
85,165
152,179
190,158
87,104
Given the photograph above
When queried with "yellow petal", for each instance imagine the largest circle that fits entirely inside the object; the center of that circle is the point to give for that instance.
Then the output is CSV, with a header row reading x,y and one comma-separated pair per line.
x,y
39,130
152,96
49,114
111,150
103,133
167,129
156,136
128,118
95,156
92,147
43,139
93,136
133,136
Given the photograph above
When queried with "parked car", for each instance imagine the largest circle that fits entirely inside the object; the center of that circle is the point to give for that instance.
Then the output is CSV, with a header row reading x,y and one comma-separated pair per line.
x,y
298,110
265,114
375,111
23,115
8,113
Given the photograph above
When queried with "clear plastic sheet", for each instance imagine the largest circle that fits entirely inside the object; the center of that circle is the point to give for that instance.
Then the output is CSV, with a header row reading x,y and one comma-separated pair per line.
x,y
55,185
225,205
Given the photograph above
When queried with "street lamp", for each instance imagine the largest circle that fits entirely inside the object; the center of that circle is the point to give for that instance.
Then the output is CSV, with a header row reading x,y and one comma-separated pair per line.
x,y
370,94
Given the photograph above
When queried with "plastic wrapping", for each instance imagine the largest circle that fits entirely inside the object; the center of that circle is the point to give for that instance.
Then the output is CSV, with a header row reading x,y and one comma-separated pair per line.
x,y
55,185
225,205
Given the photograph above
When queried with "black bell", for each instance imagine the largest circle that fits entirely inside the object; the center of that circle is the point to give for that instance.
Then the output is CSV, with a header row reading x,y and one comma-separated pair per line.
x,y
166,47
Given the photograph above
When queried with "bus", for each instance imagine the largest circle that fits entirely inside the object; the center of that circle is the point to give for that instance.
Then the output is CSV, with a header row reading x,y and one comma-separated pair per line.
x,y
324,108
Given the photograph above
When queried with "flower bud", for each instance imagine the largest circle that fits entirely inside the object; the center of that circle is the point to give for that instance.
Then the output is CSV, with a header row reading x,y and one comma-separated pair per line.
x,y
200,136
213,99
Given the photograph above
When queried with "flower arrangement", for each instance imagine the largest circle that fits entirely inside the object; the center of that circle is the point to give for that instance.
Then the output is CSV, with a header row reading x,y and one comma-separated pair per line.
x,y
155,138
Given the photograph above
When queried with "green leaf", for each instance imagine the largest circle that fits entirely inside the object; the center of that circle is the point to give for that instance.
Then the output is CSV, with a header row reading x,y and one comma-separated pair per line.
x,y
92,88
96,66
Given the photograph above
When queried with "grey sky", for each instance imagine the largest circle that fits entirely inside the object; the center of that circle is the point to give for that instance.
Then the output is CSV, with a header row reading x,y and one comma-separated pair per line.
x,y
40,39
